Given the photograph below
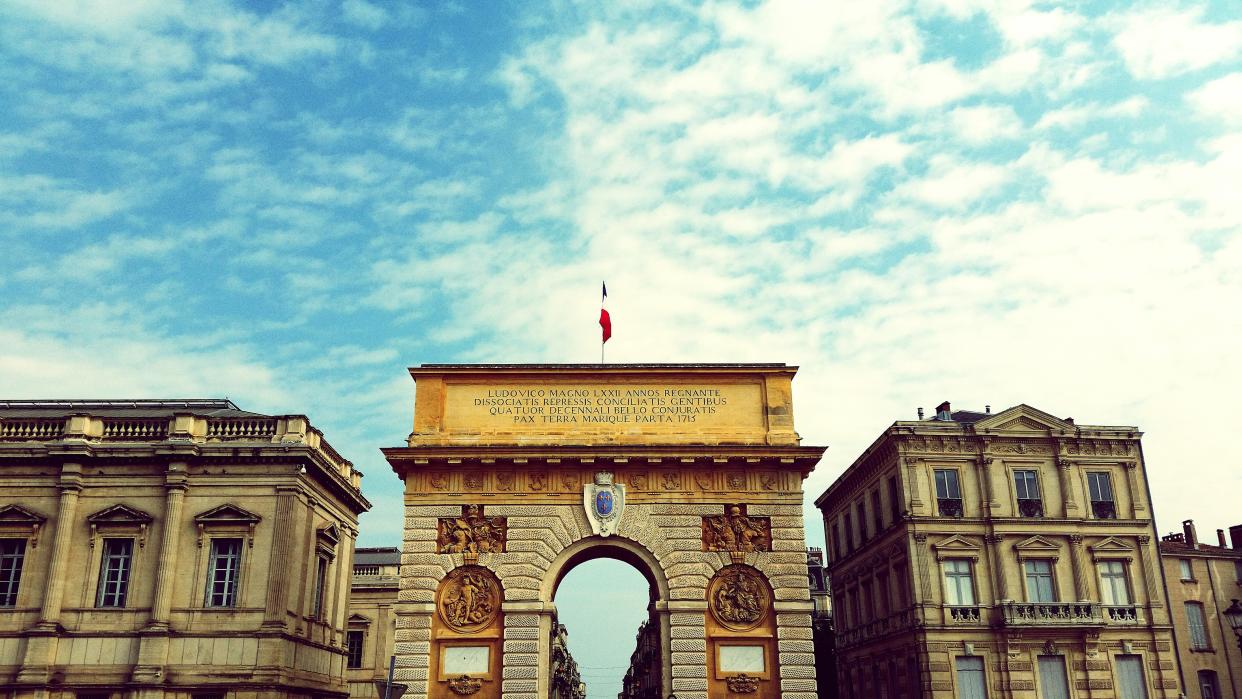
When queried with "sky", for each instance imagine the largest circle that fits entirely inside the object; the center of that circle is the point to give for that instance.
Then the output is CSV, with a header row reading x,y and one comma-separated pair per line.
x,y
989,202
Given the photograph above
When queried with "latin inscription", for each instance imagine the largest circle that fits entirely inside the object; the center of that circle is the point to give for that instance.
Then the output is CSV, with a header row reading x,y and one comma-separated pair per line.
x,y
556,405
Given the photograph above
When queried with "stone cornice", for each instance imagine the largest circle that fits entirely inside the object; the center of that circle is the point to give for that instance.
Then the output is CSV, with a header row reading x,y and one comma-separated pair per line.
x,y
803,459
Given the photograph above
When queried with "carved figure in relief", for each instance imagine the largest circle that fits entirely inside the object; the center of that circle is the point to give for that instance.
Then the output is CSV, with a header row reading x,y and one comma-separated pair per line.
x,y
736,481
672,481
439,481
469,599
473,480
639,481
538,480
703,479
472,532
504,480
768,481
738,598
736,531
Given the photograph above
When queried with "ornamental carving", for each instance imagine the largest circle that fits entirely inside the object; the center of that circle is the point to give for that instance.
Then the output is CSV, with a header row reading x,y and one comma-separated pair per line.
x,y
473,480
465,685
469,599
738,598
471,532
671,480
736,531
743,684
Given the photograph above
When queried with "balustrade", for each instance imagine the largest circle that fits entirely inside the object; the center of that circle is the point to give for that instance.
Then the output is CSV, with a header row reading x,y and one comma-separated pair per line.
x,y
31,429
1052,614
134,429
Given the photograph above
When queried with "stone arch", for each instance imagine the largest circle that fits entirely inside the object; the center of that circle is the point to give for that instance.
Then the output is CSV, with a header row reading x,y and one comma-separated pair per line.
x,y
616,547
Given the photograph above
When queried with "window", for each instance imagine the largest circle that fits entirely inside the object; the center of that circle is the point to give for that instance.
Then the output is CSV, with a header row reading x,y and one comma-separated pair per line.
x,y
353,649
1198,626
1101,486
849,532
836,540
948,493
970,679
1114,585
1237,571
1026,484
894,496
114,570
1209,687
1053,680
959,583
1185,571
321,582
1130,678
861,508
881,595
12,555
1039,584
222,575
876,511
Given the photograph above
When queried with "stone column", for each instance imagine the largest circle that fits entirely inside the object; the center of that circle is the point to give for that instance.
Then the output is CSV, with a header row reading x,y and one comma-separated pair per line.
x,y
344,572
996,551
308,566
986,488
276,605
913,484
70,488
1136,493
1067,486
922,562
1082,590
1150,573
161,606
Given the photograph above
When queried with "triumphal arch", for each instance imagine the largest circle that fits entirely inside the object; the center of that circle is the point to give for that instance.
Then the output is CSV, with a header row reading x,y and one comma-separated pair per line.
x,y
692,473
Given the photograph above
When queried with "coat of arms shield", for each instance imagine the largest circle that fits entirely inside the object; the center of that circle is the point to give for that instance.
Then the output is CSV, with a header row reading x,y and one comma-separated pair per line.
x,y
604,502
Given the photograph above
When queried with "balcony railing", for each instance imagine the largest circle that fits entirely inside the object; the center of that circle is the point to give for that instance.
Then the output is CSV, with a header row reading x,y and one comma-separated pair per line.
x,y
32,429
949,507
1104,509
1031,507
135,430
1121,614
1051,614
963,614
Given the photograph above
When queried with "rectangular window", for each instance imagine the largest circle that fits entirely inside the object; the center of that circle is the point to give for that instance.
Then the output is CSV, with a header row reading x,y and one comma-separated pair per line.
x,y
959,583
1053,680
881,595
353,649
1237,571
1039,584
222,575
948,493
839,551
849,532
12,556
1198,626
877,512
1114,585
114,570
1184,569
970,679
861,509
1026,485
321,582
894,496
1130,677
1100,484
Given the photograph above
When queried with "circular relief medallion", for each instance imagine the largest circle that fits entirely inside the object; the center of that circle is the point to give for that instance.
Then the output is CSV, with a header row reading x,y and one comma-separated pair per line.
x,y
738,598
469,598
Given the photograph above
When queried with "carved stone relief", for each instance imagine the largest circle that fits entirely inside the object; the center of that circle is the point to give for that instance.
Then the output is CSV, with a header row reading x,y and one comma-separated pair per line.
x,y
738,598
469,598
736,531
743,684
472,532
465,685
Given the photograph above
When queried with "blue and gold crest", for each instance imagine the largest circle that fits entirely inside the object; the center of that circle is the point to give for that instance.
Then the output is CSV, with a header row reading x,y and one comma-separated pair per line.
x,y
604,502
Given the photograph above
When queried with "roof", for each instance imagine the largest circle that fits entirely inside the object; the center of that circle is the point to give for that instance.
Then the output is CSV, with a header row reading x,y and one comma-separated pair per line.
x,y
706,365
1182,548
965,416
383,555
207,407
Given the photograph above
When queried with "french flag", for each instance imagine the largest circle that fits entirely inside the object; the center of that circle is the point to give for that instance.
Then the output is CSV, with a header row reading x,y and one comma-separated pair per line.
x,y
605,321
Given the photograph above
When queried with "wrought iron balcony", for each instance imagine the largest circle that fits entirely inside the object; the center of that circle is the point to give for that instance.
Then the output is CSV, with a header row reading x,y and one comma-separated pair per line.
x,y
949,507
1030,507
1104,509
961,614
1052,614
1122,614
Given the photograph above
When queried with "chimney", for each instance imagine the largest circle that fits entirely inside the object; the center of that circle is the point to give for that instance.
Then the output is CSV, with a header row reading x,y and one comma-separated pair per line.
x,y
1220,537
944,412
987,409
1235,535
1188,529
920,413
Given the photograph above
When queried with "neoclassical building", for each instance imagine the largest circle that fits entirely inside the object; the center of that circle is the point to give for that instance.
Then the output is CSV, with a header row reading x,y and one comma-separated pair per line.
x,y
372,618
183,548
998,555
514,474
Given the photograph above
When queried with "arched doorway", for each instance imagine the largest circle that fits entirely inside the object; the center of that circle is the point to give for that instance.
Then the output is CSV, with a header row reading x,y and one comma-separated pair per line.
x,y
526,471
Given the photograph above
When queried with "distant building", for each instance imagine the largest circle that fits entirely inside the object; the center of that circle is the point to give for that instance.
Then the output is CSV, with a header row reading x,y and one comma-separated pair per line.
x,y
1202,580
566,680
642,679
179,548
372,620
821,625
998,555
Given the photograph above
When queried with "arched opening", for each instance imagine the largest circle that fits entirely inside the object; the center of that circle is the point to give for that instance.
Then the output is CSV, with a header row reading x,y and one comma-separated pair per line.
x,y
609,596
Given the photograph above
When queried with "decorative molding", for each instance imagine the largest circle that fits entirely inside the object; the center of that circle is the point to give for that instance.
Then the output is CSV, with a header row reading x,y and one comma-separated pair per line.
x,y
739,598
123,518
229,518
743,684
956,546
15,518
735,530
465,685
472,532
469,598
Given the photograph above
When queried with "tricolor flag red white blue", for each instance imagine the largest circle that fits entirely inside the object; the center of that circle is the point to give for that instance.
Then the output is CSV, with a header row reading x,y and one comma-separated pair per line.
x,y
605,321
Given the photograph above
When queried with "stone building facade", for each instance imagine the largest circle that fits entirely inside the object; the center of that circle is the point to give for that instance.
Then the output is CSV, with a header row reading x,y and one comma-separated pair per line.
x,y
999,555
172,548
514,474
642,677
1203,579
372,618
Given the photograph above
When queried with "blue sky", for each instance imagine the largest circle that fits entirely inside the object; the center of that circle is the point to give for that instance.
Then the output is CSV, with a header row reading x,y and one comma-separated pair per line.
x,y
985,201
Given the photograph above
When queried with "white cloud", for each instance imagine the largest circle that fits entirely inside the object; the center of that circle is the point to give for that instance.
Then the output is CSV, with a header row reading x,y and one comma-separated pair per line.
x,y
1161,43
950,184
1076,115
1220,99
364,14
984,124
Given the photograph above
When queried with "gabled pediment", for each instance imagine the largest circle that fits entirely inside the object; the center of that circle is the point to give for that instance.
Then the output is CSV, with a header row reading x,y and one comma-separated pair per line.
x,y
119,514
18,515
956,546
330,534
358,620
1111,547
1022,418
1037,547
227,514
